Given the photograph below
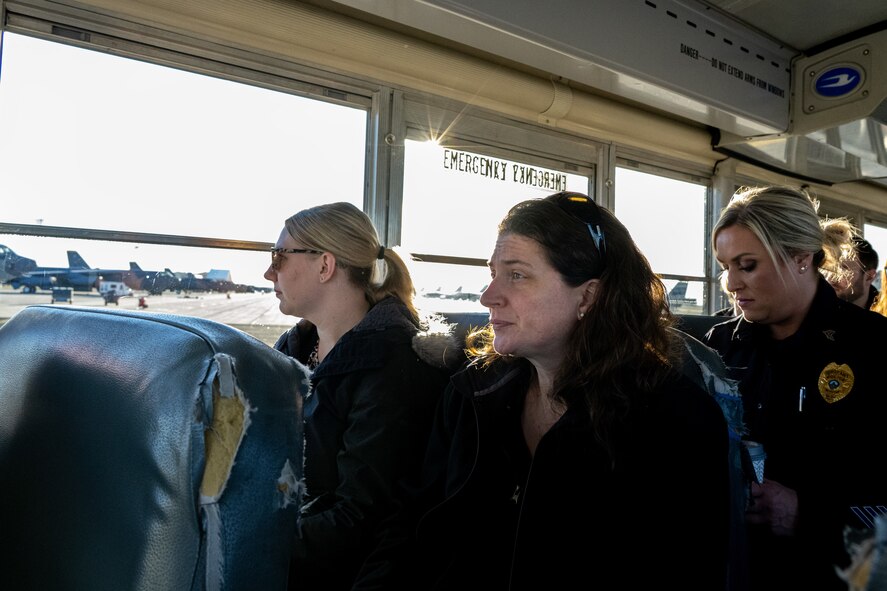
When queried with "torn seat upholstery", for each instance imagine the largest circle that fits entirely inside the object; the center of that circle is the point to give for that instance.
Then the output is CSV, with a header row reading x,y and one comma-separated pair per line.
x,y
145,451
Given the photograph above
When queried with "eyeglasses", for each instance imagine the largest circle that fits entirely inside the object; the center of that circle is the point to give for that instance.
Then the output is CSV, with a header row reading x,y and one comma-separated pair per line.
x,y
586,211
277,257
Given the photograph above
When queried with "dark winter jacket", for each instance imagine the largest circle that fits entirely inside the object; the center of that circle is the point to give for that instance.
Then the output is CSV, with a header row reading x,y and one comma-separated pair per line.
x,y
490,517
817,402
367,419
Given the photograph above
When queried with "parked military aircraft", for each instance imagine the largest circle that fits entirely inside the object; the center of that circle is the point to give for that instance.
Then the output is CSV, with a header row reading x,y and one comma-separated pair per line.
x,y
678,295
457,294
22,272
13,265
191,282
25,273
154,282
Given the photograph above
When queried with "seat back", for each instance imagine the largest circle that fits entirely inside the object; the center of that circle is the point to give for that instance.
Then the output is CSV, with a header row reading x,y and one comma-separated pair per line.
x,y
697,325
145,451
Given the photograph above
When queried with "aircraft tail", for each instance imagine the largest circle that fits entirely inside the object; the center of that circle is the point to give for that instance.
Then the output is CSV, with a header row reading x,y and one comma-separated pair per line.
x,y
75,261
679,291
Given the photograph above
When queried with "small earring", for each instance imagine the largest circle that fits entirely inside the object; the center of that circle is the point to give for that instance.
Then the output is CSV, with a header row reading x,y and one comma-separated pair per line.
x,y
803,268
581,315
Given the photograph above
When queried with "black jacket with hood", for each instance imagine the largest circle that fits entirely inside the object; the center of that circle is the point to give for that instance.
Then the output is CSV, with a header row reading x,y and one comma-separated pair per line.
x,y
489,517
367,419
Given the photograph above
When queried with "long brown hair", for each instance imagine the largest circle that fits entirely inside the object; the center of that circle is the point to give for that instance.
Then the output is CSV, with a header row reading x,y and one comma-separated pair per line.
x,y
623,343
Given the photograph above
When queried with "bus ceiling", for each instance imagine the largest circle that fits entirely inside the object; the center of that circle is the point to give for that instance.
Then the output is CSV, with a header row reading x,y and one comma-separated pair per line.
x,y
797,86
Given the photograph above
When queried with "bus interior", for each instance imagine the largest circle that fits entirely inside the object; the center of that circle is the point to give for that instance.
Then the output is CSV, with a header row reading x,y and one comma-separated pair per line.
x,y
155,147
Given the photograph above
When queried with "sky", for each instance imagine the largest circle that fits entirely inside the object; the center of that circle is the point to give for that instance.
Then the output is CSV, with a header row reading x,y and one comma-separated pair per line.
x,y
98,141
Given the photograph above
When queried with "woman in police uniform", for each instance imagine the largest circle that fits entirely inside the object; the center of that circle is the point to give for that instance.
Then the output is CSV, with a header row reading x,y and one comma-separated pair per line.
x,y
811,384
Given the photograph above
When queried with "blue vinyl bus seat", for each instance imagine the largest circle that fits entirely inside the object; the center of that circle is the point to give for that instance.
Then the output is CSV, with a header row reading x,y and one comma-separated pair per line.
x,y
145,451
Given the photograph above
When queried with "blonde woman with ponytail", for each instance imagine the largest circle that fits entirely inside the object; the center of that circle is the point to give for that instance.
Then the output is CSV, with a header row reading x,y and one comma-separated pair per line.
x,y
377,373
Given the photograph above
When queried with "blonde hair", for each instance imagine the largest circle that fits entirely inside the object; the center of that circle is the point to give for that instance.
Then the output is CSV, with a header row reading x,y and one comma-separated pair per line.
x,y
786,221
880,303
348,233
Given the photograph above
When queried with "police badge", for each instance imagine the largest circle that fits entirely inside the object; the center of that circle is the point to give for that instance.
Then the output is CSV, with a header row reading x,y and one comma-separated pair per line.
x,y
835,382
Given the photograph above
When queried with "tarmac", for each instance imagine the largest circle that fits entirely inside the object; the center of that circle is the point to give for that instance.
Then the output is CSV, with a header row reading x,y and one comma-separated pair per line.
x,y
254,313
257,314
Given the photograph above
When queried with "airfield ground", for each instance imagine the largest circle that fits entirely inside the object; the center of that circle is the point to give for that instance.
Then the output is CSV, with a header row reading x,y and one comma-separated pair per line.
x,y
253,313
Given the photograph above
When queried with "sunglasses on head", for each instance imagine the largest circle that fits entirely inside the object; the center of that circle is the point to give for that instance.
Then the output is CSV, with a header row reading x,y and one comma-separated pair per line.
x,y
586,211
277,257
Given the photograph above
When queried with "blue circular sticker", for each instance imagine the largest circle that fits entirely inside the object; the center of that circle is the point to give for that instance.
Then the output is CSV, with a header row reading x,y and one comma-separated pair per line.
x,y
837,81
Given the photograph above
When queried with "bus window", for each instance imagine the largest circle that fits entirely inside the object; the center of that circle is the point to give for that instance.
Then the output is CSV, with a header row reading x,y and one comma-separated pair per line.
x,y
877,237
98,144
666,218
469,192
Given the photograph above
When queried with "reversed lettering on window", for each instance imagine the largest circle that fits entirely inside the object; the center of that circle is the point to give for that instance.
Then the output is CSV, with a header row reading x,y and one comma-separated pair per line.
x,y
472,163
458,161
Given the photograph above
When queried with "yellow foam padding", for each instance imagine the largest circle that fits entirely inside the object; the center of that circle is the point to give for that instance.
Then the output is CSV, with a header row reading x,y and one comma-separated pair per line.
x,y
222,440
